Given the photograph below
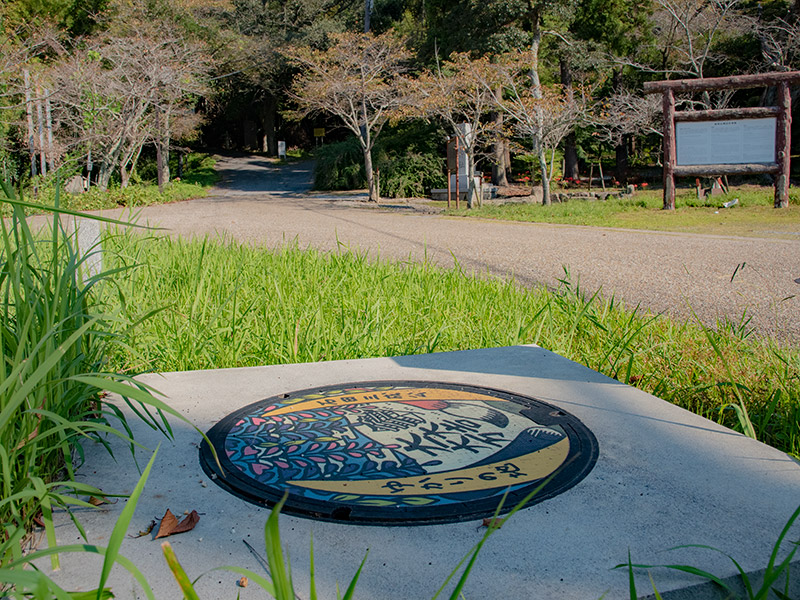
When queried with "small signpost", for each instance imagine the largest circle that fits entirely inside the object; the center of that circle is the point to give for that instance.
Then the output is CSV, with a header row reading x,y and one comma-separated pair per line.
x,y
319,133
734,141
282,149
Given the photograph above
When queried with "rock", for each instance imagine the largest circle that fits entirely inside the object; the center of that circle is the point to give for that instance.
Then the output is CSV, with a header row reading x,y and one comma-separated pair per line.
x,y
75,185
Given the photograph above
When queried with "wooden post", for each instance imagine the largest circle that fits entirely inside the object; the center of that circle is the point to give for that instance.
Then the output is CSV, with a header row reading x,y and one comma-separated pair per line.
x,y
449,174
668,105
783,142
602,177
458,172
591,174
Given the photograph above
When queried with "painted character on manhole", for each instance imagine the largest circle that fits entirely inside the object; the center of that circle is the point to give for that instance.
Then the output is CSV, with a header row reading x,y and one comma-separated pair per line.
x,y
401,441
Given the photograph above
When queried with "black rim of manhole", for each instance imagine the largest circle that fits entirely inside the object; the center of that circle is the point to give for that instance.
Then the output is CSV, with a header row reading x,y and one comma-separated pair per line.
x,y
398,452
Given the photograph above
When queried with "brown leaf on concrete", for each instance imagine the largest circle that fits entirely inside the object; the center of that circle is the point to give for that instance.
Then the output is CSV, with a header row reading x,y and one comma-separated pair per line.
x,y
188,523
243,582
145,531
493,523
171,526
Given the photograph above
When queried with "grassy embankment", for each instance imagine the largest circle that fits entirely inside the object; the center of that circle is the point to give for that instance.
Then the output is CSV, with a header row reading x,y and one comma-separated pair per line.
x,y
752,216
229,305
198,176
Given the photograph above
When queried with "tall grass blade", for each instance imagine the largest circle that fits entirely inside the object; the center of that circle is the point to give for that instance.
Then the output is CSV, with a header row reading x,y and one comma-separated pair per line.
x,y
275,557
121,526
351,589
179,573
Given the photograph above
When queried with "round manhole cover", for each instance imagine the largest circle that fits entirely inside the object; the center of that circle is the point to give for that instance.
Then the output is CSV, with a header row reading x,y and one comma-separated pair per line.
x,y
398,452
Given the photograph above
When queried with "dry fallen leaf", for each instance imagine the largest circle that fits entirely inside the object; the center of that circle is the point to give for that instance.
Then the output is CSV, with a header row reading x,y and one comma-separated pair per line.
x,y
95,501
145,531
243,582
171,526
493,523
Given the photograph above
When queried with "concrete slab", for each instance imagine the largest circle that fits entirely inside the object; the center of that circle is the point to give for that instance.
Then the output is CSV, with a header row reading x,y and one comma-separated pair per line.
x,y
664,477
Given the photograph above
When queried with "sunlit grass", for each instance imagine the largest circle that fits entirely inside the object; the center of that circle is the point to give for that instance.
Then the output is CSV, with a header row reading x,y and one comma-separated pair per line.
x,y
753,215
229,305
199,175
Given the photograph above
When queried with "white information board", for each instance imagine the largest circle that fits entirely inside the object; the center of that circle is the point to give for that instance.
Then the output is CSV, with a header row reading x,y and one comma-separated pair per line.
x,y
281,149
737,142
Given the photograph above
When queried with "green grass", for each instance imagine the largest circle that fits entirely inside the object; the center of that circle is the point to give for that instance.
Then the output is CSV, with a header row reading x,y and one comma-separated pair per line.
x,y
199,175
753,216
55,337
229,305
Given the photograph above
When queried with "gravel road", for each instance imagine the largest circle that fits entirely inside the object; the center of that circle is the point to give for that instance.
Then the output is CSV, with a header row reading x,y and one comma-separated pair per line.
x,y
261,203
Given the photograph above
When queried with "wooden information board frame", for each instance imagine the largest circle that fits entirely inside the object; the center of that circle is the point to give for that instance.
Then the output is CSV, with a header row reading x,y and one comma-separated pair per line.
x,y
783,136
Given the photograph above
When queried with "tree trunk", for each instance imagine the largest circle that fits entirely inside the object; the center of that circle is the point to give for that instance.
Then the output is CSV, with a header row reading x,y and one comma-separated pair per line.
x,y
29,116
368,170
536,89
159,155
472,191
499,165
269,140
545,178
621,153
365,136
162,149
570,148
507,157
621,149
48,113
104,175
107,166
40,128
165,152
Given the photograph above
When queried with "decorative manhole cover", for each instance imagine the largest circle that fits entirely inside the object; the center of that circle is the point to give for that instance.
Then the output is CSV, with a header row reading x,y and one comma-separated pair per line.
x,y
398,452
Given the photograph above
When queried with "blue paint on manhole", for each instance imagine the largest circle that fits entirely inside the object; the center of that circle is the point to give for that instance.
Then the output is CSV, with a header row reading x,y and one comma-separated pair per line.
x,y
398,452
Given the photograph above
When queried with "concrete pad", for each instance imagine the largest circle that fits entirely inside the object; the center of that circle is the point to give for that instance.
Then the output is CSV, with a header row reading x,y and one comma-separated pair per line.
x,y
664,477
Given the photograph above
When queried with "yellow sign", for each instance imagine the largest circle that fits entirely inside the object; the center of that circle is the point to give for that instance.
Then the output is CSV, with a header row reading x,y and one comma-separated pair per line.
x,y
319,132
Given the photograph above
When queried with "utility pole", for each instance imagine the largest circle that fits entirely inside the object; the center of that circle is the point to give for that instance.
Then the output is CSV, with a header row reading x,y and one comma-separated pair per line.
x,y
40,120
368,14
29,115
49,117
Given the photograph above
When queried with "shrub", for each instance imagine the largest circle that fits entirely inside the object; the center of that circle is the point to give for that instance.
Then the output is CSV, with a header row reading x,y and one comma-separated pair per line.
x,y
340,166
409,156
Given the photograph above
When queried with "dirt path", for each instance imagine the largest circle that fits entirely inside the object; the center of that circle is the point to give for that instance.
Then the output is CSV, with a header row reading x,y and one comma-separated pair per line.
x,y
258,202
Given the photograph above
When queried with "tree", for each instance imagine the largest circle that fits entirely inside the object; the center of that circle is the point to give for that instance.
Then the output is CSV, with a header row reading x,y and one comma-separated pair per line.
x,y
544,115
358,79
619,31
627,114
116,93
252,74
688,31
460,91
